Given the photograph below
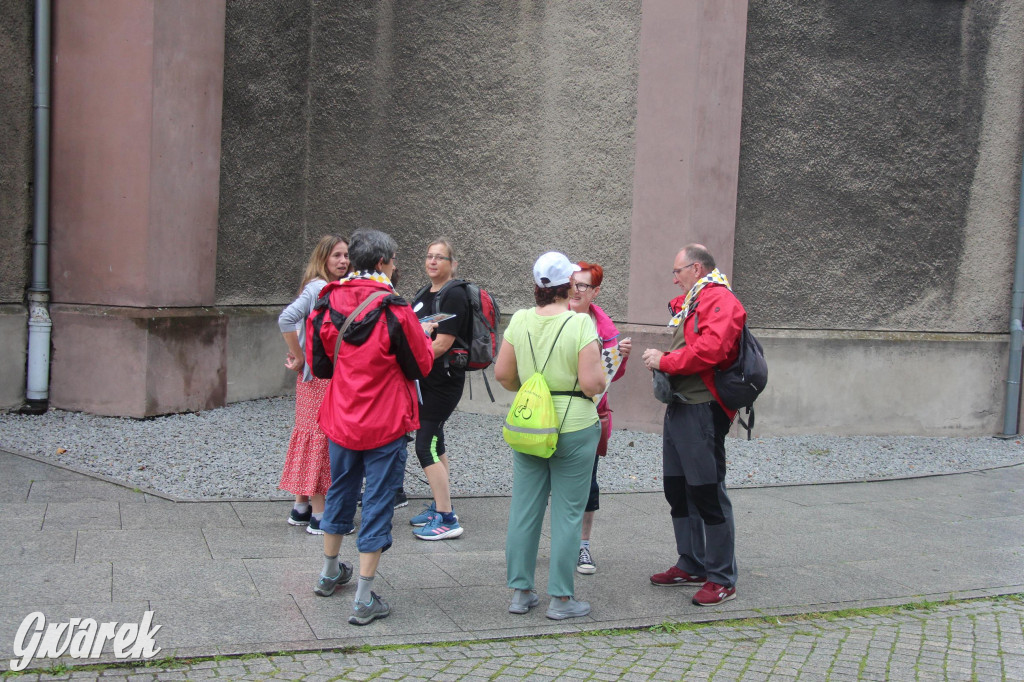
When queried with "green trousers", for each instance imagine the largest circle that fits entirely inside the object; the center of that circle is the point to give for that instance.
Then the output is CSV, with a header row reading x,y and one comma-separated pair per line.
x,y
566,477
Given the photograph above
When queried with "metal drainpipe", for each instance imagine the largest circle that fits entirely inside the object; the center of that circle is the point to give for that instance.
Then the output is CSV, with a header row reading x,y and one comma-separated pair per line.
x,y
37,384
1010,426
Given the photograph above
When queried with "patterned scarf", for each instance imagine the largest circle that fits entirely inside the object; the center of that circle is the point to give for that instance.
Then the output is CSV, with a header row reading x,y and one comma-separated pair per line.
x,y
715,276
375,276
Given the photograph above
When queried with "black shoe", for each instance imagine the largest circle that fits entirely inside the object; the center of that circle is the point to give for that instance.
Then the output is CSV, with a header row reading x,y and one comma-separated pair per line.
x,y
400,499
297,519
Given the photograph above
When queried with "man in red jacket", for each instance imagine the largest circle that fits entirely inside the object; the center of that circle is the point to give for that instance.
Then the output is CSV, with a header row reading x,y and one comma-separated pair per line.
x,y
707,322
369,407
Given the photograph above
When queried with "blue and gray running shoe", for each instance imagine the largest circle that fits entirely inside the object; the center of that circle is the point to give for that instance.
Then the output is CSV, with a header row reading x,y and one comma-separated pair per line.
x,y
364,614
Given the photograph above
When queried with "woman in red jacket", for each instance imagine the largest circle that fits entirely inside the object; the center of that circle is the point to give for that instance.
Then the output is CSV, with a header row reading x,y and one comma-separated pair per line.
x,y
370,406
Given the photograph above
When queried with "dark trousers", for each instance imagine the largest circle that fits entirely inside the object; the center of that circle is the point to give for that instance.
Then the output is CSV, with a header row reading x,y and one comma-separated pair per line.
x,y
693,467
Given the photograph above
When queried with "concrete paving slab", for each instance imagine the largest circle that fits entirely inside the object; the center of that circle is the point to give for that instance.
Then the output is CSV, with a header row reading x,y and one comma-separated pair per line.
x,y
212,622
464,569
411,611
81,491
992,504
261,514
295,576
141,545
82,515
44,584
137,516
426,573
192,580
11,618
31,547
282,541
22,515
485,610
17,467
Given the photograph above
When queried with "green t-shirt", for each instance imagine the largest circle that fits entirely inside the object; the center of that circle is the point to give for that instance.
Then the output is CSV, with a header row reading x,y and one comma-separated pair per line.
x,y
561,370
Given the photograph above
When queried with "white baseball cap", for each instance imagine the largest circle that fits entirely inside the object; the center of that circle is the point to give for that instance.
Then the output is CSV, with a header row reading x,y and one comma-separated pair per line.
x,y
553,269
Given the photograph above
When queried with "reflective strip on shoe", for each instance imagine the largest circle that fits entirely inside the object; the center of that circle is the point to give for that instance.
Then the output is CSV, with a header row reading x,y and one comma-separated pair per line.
x,y
437,529
364,614
713,594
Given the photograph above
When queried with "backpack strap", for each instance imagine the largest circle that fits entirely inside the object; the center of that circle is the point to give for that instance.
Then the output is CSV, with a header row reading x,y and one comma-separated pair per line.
x,y
552,351
352,316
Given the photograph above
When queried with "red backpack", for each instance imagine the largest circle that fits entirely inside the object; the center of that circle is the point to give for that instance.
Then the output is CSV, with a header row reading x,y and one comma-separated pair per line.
x,y
482,347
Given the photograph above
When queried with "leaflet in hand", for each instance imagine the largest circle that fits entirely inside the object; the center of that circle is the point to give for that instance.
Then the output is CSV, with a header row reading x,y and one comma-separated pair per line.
x,y
437,317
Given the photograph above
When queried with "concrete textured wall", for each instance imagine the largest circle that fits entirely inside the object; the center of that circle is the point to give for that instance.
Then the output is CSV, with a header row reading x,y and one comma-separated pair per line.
x,y
16,130
880,164
505,126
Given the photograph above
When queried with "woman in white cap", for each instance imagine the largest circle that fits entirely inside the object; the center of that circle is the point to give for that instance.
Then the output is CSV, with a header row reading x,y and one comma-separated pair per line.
x,y
565,345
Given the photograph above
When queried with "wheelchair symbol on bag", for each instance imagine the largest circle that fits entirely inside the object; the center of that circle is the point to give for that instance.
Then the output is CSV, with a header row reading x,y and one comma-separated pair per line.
x,y
523,411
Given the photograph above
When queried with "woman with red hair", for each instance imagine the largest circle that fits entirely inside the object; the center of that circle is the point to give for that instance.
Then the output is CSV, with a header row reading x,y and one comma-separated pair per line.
x,y
586,285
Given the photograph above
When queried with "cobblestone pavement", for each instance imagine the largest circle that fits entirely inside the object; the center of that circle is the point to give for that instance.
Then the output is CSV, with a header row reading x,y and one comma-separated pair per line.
x,y
977,639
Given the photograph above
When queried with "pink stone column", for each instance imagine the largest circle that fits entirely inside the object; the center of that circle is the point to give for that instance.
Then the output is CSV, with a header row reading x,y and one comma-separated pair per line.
x,y
689,107
137,93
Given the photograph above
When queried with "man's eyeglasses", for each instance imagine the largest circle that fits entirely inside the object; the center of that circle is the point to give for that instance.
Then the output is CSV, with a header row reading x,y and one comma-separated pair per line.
x,y
437,256
676,271
583,288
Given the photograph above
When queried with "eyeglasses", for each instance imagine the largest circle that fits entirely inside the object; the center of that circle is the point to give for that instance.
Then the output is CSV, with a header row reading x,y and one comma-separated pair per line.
x,y
676,271
437,256
583,288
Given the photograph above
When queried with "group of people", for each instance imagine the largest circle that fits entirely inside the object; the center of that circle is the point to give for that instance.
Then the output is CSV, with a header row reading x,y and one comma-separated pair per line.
x,y
394,374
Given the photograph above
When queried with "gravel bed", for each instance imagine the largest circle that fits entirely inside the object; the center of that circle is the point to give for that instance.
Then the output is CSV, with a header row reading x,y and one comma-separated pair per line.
x,y
236,452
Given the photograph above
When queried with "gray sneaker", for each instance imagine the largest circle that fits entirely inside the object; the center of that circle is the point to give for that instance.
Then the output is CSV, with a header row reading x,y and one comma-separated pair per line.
x,y
325,586
523,601
366,613
560,610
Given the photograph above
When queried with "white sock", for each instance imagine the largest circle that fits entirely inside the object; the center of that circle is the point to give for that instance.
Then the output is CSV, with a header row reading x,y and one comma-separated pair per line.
x,y
318,516
301,507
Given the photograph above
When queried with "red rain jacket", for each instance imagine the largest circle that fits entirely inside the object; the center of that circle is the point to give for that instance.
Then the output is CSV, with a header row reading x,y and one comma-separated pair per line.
x,y
719,318
372,398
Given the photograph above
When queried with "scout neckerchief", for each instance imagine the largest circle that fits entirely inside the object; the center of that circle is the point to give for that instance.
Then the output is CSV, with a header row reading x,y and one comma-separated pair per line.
x,y
715,276
375,276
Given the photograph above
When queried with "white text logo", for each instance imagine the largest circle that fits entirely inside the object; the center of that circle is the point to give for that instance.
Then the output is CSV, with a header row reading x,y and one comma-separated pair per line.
x,y
82,638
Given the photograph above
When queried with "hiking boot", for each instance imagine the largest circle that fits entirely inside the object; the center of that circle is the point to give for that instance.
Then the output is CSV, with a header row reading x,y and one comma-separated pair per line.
x,y
437,529
676,576
314,526
326,586
364,614
585,565
423,518
523,601
297,519
712,594
401,500
560,610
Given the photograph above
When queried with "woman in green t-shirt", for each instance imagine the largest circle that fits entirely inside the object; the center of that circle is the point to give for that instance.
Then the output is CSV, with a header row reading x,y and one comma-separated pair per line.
x,y
573,373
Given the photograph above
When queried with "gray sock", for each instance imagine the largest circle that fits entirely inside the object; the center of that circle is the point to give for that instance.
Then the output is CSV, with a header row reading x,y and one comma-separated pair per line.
x,y
301,507
318,517
363,589
331,567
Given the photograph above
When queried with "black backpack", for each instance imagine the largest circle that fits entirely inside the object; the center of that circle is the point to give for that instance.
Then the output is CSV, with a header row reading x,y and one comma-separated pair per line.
x,y
739,385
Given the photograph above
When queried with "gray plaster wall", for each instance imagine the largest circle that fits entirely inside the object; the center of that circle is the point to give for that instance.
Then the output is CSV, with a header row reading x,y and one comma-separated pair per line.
x,y
16,130
880,164
507,127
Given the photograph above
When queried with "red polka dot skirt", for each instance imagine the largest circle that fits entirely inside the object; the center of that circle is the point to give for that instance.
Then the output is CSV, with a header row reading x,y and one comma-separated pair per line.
x,y
307,466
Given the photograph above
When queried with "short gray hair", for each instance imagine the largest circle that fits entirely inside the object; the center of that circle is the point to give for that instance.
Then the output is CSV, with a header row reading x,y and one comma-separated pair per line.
x,y
367,247
695,253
